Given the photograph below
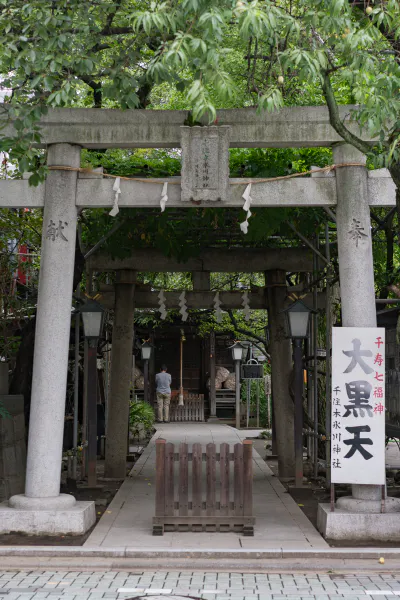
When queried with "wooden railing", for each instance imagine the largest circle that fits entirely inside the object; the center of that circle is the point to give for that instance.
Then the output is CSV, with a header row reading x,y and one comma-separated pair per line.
x,y
180,504
192,409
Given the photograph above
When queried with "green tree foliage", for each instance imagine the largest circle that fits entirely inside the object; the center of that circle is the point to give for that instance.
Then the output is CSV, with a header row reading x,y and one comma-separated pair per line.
x,y
17,300
270,53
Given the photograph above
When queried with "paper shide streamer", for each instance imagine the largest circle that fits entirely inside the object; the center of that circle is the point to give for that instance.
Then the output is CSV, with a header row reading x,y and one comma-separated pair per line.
x,y
161,305
164,196
116,188
183,307
246,207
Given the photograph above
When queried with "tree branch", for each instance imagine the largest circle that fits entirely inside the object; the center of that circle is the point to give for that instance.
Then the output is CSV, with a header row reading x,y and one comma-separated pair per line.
x,y
248,333
334,118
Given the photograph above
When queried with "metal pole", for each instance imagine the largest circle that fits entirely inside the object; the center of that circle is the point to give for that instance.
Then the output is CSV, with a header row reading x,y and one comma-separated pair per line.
x,y
106,378
213,396
310,389
315,378
298,411
76,398
328,365
258,402
84,465
237,391
249,392
146,380
92,414
273,426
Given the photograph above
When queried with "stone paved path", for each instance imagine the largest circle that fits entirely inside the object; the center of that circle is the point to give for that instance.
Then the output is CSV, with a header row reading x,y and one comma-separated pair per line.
x,y
94,585
280,523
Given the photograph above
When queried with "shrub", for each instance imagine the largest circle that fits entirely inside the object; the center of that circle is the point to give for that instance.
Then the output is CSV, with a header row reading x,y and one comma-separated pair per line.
x,y
141,418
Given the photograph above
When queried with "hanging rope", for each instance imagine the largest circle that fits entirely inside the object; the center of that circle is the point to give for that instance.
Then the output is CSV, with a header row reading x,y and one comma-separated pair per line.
x,y
327,169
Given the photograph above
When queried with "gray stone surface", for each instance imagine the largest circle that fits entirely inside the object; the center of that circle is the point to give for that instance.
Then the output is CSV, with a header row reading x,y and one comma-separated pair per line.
x,y
60,502
121,371
345,525
188,583
75,519
281,357
96,192
232,260
147,299
280,523
12,447
356,273
355,254
305,126
46,426
359,505
205,163
30,513
315,191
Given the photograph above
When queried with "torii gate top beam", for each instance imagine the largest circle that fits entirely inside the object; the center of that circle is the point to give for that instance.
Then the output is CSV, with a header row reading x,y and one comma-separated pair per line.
x,y
217,260
305,126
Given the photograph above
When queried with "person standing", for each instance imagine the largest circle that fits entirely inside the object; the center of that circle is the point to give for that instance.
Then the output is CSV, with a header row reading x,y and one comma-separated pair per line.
x,y
163,390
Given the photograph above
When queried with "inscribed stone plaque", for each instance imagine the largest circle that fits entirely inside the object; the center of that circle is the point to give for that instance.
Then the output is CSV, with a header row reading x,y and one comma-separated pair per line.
x,y
205,163
358,405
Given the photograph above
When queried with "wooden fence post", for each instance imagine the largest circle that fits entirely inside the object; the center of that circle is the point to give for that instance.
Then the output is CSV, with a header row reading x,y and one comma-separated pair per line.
x,y
191,512
169,480
196,483
211,476
248,484
238,479
224,478
183,480
160,485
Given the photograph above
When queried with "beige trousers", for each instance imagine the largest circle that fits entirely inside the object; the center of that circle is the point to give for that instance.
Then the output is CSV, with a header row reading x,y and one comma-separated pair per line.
x,y
163,402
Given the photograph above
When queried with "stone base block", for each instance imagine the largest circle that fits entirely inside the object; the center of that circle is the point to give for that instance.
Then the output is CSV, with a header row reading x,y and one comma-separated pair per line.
x,y
343,525
73,520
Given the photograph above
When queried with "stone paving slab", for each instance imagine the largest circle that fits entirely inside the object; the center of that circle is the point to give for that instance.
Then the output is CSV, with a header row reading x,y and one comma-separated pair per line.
x,y
127,522
181,585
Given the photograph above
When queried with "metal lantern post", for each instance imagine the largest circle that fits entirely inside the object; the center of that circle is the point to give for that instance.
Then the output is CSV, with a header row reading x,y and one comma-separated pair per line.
x,y
92,318
237,354
298,321
146,354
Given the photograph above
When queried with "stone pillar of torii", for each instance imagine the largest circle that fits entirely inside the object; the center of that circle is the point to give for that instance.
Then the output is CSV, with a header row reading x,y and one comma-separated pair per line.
x,y
42,509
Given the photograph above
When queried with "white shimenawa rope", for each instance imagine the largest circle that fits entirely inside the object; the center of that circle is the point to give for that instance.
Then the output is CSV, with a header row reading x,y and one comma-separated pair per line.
x,y
115,209
246,206
164,196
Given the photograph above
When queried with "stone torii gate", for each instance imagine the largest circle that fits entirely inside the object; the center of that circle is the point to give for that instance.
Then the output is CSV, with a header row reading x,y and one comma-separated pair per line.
x,y
273,262
351,189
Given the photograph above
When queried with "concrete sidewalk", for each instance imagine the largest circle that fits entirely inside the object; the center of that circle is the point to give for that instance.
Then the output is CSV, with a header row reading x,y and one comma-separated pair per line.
x,y
280,523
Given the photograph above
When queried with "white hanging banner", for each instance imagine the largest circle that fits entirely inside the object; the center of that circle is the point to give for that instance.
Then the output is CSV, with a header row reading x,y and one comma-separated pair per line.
x,y
358,405
116,188
164,196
